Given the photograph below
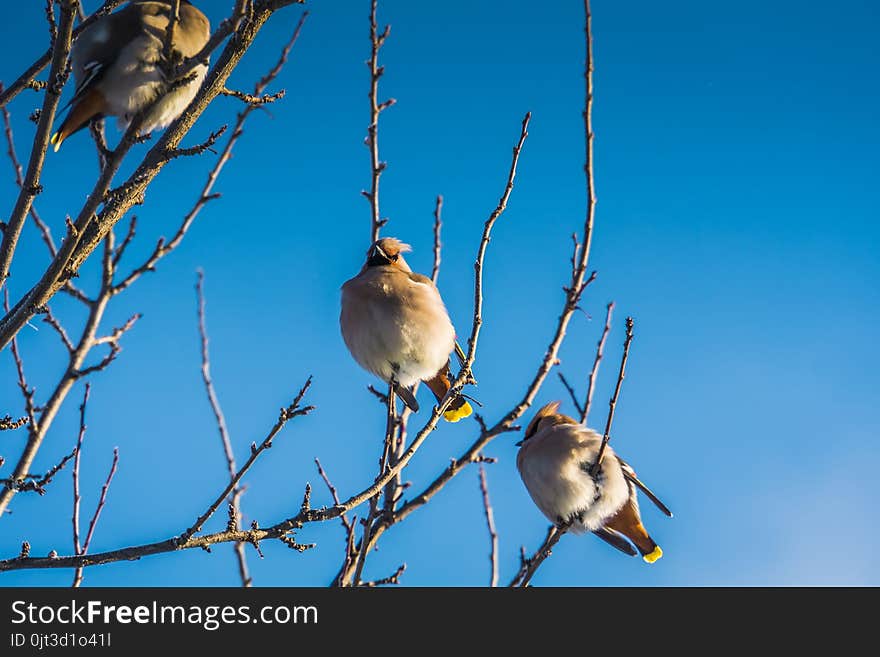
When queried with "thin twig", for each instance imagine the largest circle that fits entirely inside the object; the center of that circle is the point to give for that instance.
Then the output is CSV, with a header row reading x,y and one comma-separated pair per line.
x,y
438,224
77,546
376,108
385,581
530,565
490,522
613,403
588,400
31,186
286,414
94,521
235,497
571,392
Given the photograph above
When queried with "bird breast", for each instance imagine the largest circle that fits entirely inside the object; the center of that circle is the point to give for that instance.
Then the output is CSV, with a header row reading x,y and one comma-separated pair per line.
x,y
395,326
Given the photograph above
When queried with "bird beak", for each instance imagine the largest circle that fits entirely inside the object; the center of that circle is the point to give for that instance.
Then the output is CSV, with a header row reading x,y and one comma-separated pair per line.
x,y
519,443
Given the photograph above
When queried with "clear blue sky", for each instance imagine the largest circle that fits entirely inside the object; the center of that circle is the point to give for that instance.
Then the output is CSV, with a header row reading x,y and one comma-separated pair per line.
x,y
737,223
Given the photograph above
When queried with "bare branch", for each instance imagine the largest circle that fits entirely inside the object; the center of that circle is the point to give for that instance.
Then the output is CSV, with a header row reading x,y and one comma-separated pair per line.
x,y
392,579
169,55
284,416
376,108
198,149
530,565
613,403
251,99
26,391
52,321
490,523
77,546
30,186
438,223
594,372
8,424
571,392
94,521
36,483
235,497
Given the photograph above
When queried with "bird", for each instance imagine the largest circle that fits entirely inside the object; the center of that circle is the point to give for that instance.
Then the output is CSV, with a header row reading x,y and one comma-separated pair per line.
x,y
118,66
556,459
395,325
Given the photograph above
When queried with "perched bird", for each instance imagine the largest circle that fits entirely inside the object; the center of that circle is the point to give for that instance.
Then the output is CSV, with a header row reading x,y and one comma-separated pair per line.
x,y
555,461
395,325
118,67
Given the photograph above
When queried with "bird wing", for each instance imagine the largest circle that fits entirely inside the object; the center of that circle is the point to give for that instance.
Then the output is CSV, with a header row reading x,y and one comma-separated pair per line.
x,y
96,50
616,539
630,475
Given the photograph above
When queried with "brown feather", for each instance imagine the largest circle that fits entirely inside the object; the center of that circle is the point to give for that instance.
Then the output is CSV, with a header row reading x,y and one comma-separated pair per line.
x,y
628,522
440,384
89,106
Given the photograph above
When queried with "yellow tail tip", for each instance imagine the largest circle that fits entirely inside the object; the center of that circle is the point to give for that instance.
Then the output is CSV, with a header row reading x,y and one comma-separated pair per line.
x,y
454,415
655,554
56,141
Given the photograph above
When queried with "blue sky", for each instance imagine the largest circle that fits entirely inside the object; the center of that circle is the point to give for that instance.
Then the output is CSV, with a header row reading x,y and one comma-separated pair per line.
x,y
736,222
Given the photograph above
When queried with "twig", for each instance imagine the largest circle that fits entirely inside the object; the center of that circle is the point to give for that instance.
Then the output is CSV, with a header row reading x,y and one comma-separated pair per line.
x,y
52,321
530,565
438,223
25,307
284,416
78,575
19,180
168,52
30,186
588,400
8,424
490,522
571,392
235,497
613,403
392,579
77,546
35,483
251,99
376,108
26,391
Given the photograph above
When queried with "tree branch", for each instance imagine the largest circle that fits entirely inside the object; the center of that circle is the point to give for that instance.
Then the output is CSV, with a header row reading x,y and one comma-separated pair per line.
x,y
613,403
490,523
588,400
235,497
376,108
30,186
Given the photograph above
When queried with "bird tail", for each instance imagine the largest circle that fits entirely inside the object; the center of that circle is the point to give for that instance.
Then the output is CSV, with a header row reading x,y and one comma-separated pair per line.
x,y
440,385
89,106
627,522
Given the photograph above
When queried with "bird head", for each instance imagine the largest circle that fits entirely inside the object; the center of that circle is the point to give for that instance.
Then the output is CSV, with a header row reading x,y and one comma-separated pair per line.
x,y
547,416
388,251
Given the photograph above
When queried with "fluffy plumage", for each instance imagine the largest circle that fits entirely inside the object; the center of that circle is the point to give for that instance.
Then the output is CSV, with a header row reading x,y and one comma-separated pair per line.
x,y
396,326
555,461
117,66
